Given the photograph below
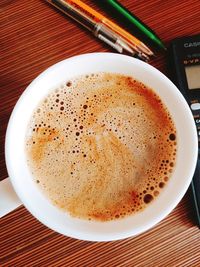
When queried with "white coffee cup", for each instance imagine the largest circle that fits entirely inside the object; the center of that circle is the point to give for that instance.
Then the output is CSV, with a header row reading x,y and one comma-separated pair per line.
x,y
40,207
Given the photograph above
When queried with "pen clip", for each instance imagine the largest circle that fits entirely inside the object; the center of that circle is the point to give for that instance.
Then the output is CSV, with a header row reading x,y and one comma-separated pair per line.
x,y
112,39
107,41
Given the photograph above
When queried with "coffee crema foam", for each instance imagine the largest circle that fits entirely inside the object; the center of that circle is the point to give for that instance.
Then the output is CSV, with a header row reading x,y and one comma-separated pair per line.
x,y
102,146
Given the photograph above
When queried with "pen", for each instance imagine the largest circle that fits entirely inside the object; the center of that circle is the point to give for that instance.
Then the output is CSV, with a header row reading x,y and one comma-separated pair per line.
x,y
129,17
98,29
98,17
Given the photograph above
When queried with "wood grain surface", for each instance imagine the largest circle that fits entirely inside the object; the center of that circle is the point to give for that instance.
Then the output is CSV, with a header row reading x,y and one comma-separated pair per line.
x,y
33,36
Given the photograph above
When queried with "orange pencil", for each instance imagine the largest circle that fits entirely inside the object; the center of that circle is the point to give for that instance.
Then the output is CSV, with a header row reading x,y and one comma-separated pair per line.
x,y
98,17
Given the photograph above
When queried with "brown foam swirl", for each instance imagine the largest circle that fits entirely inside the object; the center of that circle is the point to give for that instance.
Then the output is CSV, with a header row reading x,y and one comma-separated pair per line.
x,y
102,146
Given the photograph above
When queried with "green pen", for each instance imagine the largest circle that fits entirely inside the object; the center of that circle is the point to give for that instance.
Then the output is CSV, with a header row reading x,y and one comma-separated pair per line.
x,y
131,18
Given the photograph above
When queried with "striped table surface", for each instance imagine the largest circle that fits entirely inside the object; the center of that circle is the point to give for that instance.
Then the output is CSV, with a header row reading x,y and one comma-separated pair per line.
x,y
34,36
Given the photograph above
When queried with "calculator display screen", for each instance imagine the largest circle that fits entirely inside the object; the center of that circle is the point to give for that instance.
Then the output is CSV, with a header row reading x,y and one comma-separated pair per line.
x,y
193,76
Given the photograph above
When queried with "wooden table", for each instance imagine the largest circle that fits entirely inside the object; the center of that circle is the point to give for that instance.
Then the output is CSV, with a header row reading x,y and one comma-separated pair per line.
x,y
34,36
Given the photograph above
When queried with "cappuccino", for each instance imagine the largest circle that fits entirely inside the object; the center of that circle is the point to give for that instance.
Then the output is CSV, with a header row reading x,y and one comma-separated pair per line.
x,y
101,146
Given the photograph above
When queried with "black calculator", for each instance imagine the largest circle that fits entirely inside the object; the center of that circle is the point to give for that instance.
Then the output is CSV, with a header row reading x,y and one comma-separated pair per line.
x,y
184,64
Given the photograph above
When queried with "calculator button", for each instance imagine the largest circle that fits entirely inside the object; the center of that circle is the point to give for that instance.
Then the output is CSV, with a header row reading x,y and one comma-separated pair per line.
x,y
195,106
197,121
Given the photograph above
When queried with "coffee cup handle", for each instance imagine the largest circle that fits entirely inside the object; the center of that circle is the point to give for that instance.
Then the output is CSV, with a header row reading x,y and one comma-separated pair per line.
x,y
9,201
